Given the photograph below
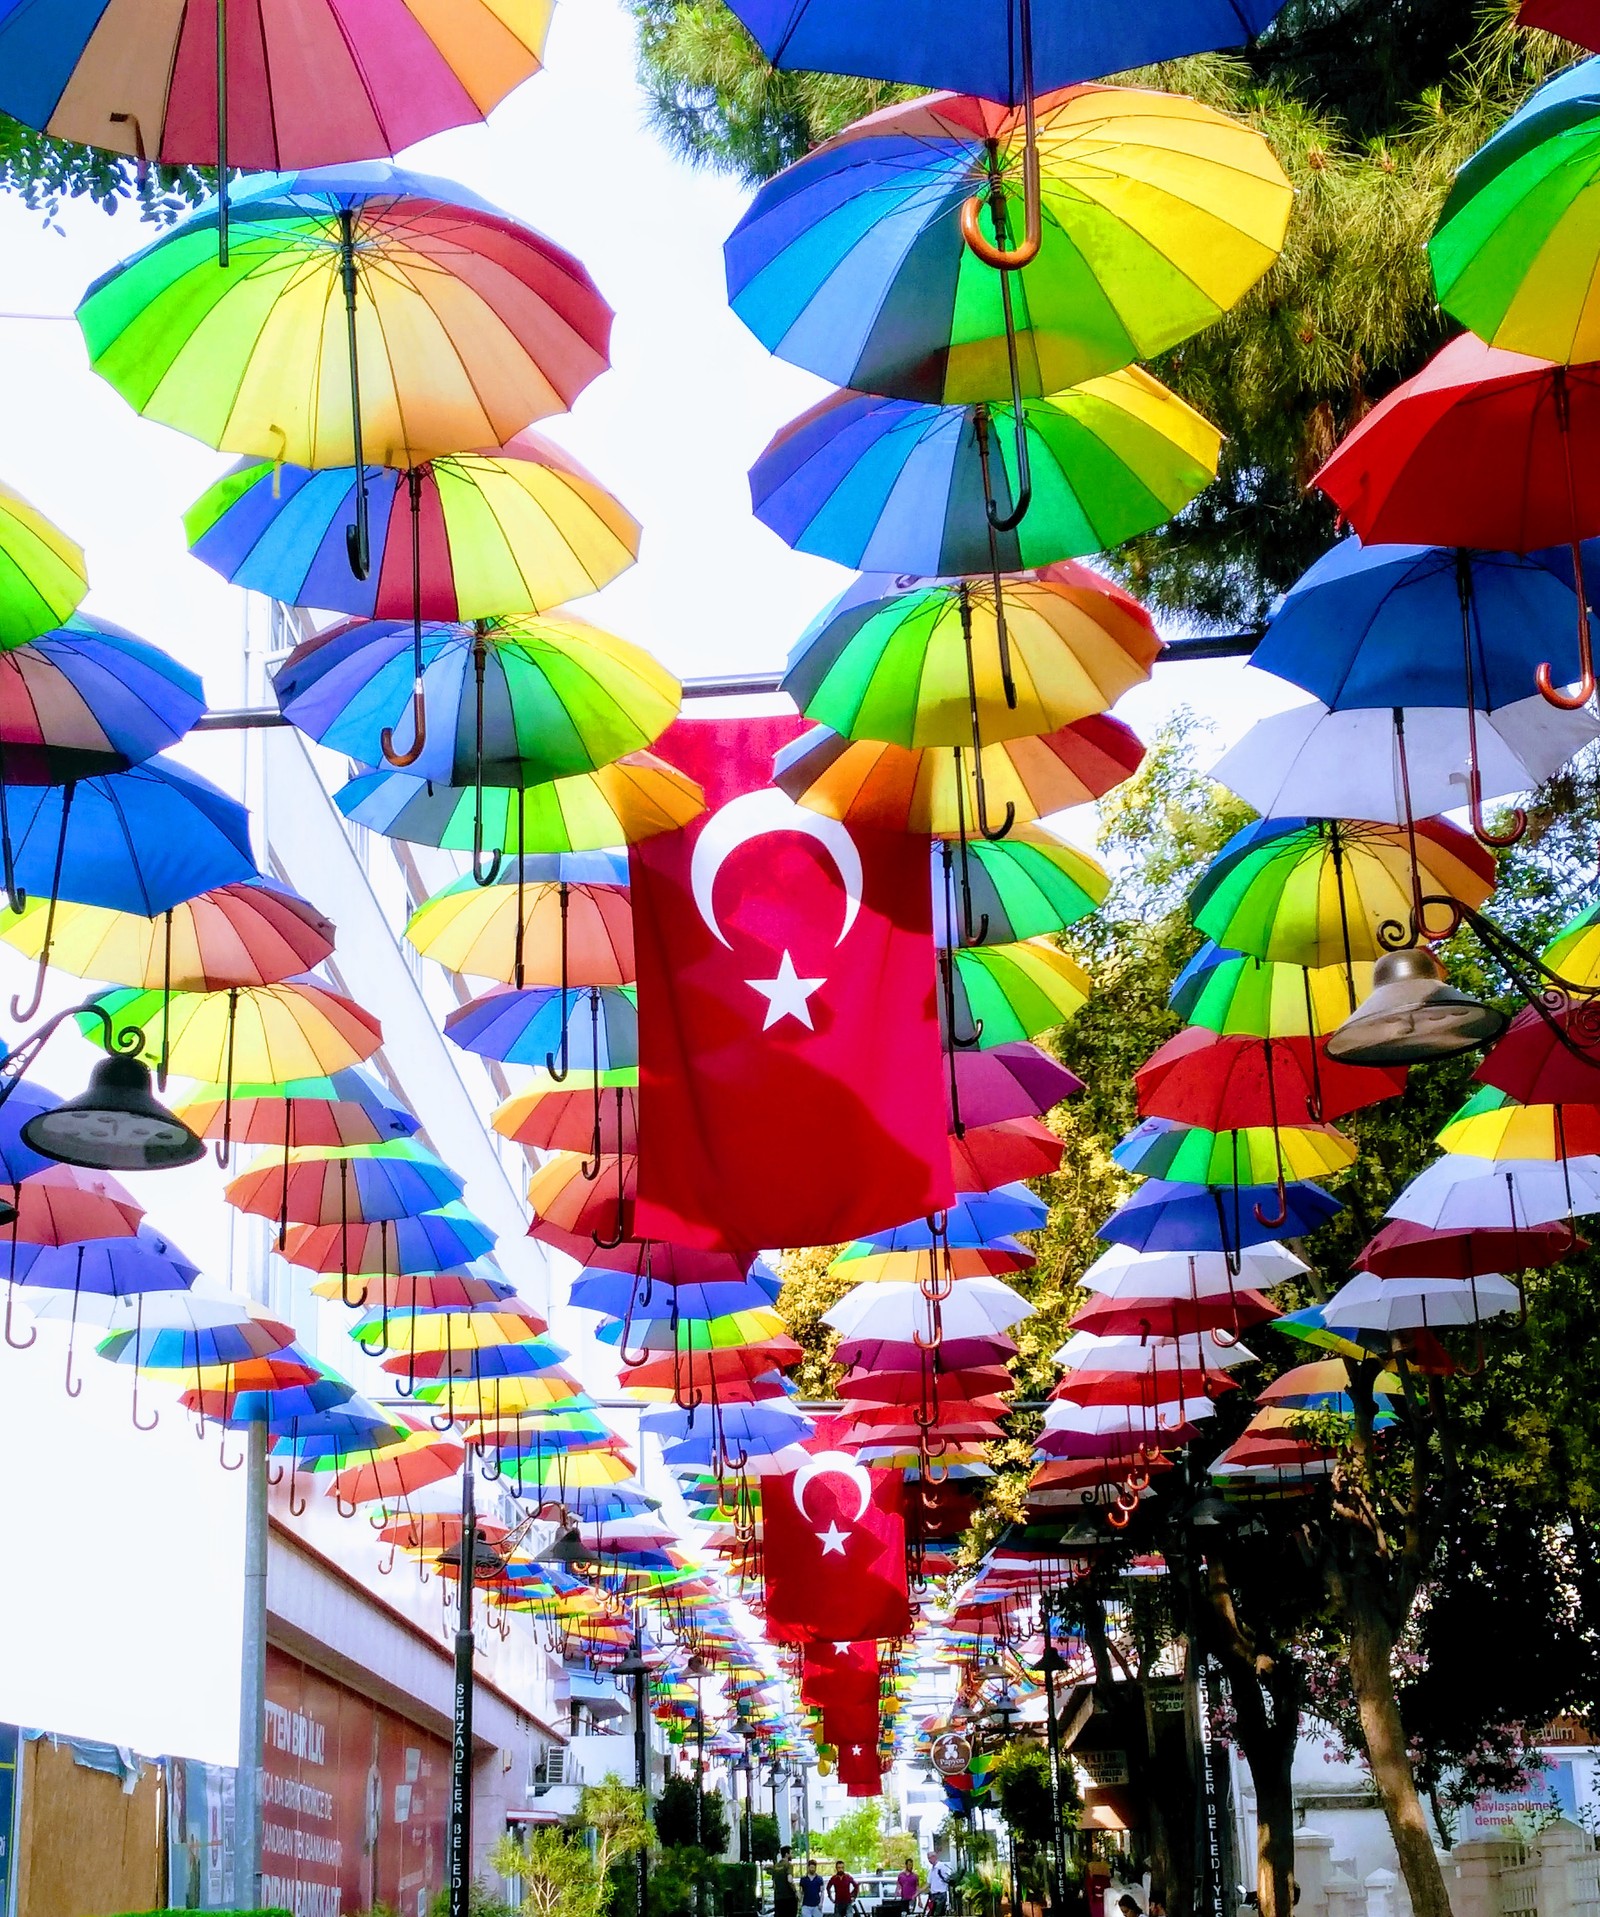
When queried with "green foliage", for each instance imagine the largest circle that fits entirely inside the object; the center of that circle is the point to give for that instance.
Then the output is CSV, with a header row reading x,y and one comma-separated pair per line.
x,y
676,1824
809,1289
739,1897
764,1840
557,1872
680,1878
857,1838
1021,1776
44,172
481,1902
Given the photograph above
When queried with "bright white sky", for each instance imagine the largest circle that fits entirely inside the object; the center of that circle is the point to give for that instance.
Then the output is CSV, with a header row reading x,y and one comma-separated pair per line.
x,y
672,429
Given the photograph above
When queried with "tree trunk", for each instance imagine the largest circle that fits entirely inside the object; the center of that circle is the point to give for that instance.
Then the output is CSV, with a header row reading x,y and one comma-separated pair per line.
x,y
1275,1885
1371,1645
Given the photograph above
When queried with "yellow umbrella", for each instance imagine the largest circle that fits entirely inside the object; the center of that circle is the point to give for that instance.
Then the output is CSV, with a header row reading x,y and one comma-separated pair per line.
x,y
42,577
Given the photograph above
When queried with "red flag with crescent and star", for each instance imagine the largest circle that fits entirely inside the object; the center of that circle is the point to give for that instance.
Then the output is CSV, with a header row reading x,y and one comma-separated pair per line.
x,y
834,1551
789,1079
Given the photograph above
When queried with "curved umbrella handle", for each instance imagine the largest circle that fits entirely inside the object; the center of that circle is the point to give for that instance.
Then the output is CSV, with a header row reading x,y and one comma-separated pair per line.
x,y
1272,1223
611,1243
346,1508
590,1168
297,1503
566,1036
353,1304
481,875
222,1451
357,538
138,1423
385,1566
998,521
1119,1518
17,1344
18,1011
419,732
1003,258
16,897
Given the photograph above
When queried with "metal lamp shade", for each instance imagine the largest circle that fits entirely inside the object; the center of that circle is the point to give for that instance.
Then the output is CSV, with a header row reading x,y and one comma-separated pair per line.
x,y
1413,1015
116,1124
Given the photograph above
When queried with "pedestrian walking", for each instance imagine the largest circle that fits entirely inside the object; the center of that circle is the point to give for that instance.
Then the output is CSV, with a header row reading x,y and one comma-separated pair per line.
x,y
938,1885
842,1888
784,1901
811,1887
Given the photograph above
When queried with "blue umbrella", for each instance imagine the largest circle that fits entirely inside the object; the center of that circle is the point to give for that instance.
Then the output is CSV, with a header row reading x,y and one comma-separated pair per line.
x,y
976,1218
1161,1216
619,1294
768,1426
88,697
595,1028
138,841
1386,626
18,1160
112,1268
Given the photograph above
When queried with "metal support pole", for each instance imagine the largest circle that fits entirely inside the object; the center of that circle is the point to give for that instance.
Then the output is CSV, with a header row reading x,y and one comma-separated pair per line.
x,y
458,1865
252,1673
1049,1665
641,1764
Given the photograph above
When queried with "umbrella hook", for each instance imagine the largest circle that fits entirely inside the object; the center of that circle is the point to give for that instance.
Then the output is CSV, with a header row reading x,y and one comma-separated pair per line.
x,y
222,1450
991,833
1519,818
224,1150
982,427
625,1356
519,942
18,1011
499,1471
357,538
961,1043
1570,701
138,1423
481,874
297,1503
222,134
17,1344
419,704
935,1329
1271,1222
563,896
610,1244
386,1566
346,1507
590,1168
16,897
996,253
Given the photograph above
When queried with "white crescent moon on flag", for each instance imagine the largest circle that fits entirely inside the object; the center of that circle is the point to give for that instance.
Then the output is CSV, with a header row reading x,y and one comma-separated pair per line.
x,y
823,1465
752,816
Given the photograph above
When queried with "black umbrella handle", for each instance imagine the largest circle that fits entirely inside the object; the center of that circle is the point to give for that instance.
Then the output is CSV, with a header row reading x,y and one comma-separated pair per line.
x,y
419,707
558,1073
16,898
357,538
20,1012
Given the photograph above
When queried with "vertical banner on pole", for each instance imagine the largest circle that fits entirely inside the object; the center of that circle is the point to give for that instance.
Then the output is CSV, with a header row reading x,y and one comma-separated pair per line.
x,y
10,1773
1215,1875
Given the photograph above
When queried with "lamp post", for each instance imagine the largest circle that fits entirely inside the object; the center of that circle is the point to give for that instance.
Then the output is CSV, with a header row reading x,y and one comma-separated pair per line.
x,y
698,1668
1047,1667
634,1666
472,1558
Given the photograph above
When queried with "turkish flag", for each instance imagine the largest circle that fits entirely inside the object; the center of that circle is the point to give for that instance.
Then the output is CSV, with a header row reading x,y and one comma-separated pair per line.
x,y
789,1085
834,1545
839,1671
860,1768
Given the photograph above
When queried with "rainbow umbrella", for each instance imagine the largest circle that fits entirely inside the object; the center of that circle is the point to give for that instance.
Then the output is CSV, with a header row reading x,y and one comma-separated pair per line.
x,y
685,1332
113,1269
1240,996
867,782
1574,952
1015,888
345,1184
360,303
595,1029
888,485
1321,892
552,1119
619,804
549,918
999,994
432,1241
1252,1155
42,578
1171,1216
347,1107
516,701
521,528
321,84
1491,1124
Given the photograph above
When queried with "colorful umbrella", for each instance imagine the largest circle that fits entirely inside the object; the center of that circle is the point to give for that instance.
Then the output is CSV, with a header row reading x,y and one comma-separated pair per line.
x,y
124,1266
891,486
570,1193
868,782
520,528
301,89
1174,1217
432,1241
984,1156
459,325
1491,1125
345,1184
1237,996
1412,469
137,841
1201,1077
619,804
1322,891
975,1218
1546,1058
348,1107
1011,889
1156,215
1189,1154
88,697
1009,1081
41,572
1574,952
555,1120
998,994
1392,763
622,1296
595,1029
514,701
548,919
397,1471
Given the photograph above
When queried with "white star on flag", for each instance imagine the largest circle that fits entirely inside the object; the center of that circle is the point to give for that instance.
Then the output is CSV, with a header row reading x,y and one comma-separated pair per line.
x,y
832,1540
841,1650
855,1750
787,994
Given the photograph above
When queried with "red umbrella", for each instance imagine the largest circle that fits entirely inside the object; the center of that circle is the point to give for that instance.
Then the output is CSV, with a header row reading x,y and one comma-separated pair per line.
x,y
1546,1058
1008,1081
1172,1317
739,1376
564,1121
568,1195
1065,1474
953,1410
888,1354
1575,20
1418,468
1116,1444
1162,1382
1225,1083
991,1155
1404,1250
905,1387
60,1205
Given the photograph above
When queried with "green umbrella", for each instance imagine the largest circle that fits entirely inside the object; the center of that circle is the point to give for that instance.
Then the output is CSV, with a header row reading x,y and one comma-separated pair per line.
x,y
1001,994
41,573
1241,997
1258,1155
1516,256
1015,888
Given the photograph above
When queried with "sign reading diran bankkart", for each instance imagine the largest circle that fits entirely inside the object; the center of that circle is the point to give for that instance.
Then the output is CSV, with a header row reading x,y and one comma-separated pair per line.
x,y
353,1800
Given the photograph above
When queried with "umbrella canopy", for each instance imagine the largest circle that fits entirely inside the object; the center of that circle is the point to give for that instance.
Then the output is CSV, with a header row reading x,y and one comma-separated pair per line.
x,y
619,1295
1405,1250
902,789
510,701
254,932
1000,994
1575,950
1122,1272
891,486
345,1184
42,578
1319,891
595,1029
432,1241
348,1107
1546,1058
1455,1193
1513,256
135,841
426,1291
1390,764
1242,997
919,45
547,917
88,697
1174,1217
973,1308
306,86
635,798
265,1033
62,1204
985,1156
1199,1077
1492,1125
520,528
1158,215
666,1331
177,1349
394,1472
1019,887
567,1193
555,1120
1399,1304
1010,1081
973,1219
1189,1154
1173,1317
465,324
922,665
